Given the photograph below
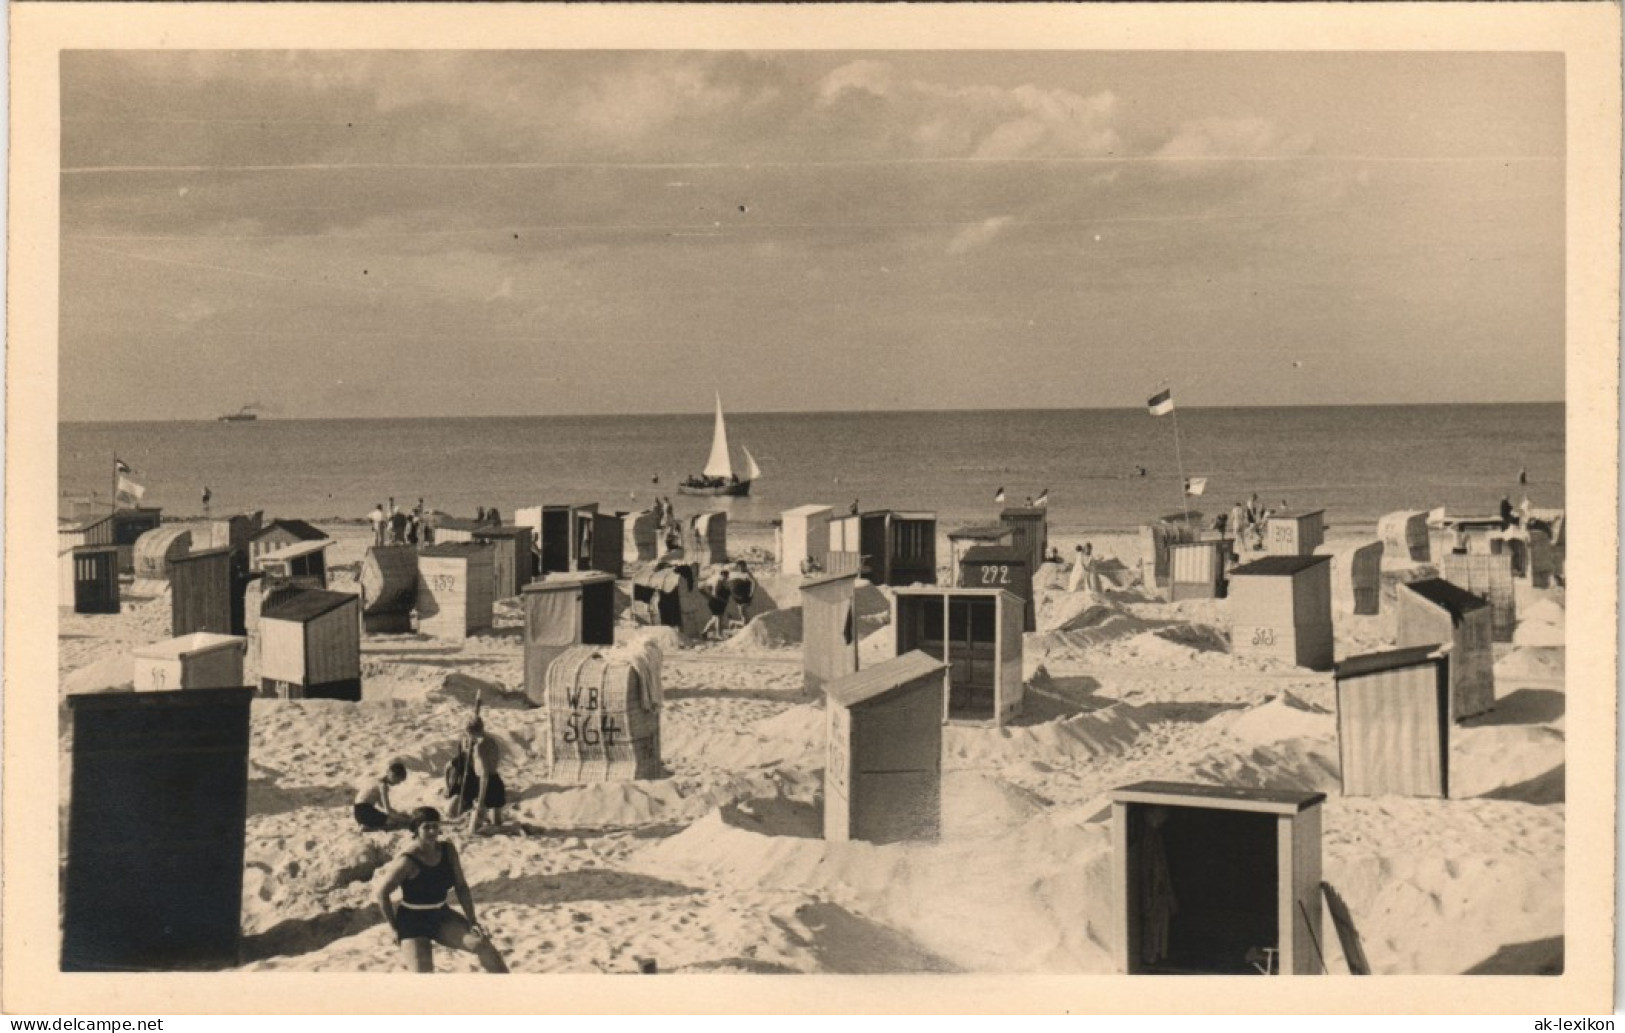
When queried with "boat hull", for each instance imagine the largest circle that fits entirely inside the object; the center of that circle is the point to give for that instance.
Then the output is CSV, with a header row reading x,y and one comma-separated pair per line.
x,y
734,490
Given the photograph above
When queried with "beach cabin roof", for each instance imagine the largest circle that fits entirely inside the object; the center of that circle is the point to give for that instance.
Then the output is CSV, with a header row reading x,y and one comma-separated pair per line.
x,y
862,686
567,579
1279,566
1022,511
298,549
188,645
1457,600
983,532
1275,801
302,605
87,525
301,530
504,531
454,550
1370,663
811,510
1295,514
994,554
1192,518
450,523
825,579
198,554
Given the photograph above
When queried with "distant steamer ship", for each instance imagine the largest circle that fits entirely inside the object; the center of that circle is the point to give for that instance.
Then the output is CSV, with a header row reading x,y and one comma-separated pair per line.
x,y
243,415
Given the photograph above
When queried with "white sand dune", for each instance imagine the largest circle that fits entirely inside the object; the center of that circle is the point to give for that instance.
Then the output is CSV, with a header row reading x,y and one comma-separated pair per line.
x,y
720,865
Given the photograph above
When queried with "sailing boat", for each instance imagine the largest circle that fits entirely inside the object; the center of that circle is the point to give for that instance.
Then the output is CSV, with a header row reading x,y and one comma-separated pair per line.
x,y
719,477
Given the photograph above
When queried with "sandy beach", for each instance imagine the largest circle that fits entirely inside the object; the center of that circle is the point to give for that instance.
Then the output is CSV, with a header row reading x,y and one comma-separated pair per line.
x,y
720,866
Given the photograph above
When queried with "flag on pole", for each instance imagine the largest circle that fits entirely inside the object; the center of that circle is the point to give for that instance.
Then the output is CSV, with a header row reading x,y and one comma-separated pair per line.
x,y
120,466
1195,485
1042,499
998,496
129,492
1161,403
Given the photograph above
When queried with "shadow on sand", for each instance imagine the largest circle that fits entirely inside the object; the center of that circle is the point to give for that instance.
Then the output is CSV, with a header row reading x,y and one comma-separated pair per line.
x,y
581,884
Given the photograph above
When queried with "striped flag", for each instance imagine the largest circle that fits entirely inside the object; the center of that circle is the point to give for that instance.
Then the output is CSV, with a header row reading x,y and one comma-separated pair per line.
x,y
129,493
1042,499
1161,403
998,496
1195,485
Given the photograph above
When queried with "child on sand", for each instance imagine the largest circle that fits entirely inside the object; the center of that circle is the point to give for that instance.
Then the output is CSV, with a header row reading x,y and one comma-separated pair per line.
x,y
372,809
424,873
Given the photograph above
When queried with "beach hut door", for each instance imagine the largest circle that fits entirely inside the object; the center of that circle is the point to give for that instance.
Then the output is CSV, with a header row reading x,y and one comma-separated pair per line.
x,y
972,656
872,544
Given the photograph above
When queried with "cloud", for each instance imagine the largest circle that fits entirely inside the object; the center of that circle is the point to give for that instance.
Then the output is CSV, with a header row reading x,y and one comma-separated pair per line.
x,y
1233,138
972,237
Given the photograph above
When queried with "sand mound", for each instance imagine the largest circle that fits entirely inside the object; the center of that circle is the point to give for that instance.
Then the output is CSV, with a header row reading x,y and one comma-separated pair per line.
x,y
1286,717
975,804
776,629
110,674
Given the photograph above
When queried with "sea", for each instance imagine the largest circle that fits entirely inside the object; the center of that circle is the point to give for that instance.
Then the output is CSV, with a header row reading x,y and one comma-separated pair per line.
x,y
1101,469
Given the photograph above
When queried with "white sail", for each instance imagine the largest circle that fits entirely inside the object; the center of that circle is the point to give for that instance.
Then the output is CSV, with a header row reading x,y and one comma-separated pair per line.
x,y
752,471
719,465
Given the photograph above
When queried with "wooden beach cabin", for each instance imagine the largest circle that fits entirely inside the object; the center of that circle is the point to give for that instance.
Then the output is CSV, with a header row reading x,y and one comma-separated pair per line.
x,y
279,534
564,610
454,589
202,660
803,539
1393,723
1489,576
1404,534
233,532
1196,570
829,639
898,547
1002,566
1030,525
513,562
845,545
1156,543
95,531
155,549
389,588
976,632
1434,612
310,645
707,539
554,527
1356,575
1281,607
128,527
883,765
640,537
206,592
156,818
1216,880
963,539
90,579
301,562
1295,532
603,707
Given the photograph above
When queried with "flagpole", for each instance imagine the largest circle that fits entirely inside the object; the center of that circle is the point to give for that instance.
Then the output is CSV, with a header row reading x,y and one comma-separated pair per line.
x,y
1179,462
112,500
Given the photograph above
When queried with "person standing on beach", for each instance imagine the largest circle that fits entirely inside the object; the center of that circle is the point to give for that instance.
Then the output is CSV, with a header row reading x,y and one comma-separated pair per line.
x,y
425,873
717,599
206,497
377,519
741,588
478,783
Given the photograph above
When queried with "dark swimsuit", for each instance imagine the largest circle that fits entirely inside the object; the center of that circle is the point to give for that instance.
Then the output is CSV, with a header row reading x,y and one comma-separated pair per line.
x,y
369,816
423,898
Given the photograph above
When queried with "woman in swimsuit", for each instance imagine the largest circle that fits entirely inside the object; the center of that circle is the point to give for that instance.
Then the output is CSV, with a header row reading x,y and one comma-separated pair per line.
x,y
424,873
372,809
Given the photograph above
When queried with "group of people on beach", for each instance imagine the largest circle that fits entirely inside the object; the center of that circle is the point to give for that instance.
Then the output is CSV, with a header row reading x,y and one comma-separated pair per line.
x,y
1247,523
732,589
429,868
396,526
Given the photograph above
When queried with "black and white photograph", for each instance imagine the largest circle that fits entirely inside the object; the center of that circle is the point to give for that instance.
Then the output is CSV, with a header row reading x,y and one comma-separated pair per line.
x,y
1060,501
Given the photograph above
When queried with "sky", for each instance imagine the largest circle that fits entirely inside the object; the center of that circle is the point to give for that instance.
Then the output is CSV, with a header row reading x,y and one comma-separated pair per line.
x,y
422,233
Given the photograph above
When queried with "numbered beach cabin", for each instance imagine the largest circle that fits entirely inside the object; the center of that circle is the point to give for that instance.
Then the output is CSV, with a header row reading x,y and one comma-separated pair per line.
x,y
803,539
564,610
897,547
310,645
513,561
1030,525
883,763
198,661
603,705
1281,607
1216,880
153,879
1295,532
963,539
454,589
1434,612
829,640
1001,566
976,632
1393,723
206,592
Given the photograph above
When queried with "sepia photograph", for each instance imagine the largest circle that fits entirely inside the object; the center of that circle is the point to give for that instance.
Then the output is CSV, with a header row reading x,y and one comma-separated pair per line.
x,y
782,505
